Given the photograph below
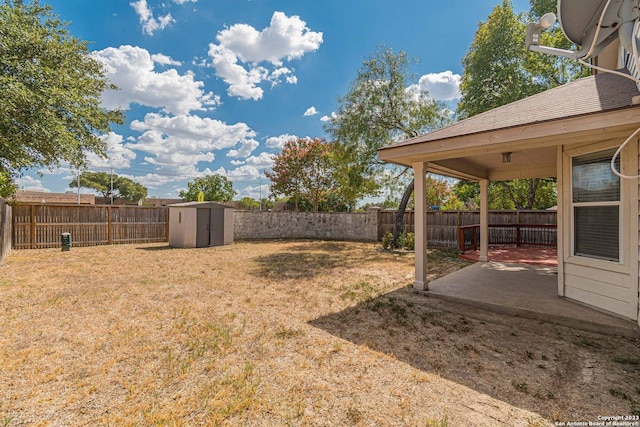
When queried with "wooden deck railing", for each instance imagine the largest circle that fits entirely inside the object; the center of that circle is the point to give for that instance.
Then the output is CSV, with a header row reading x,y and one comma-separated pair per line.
x,y
508,234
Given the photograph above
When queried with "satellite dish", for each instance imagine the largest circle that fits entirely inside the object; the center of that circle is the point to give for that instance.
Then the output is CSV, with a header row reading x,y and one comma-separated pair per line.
x,y
590,24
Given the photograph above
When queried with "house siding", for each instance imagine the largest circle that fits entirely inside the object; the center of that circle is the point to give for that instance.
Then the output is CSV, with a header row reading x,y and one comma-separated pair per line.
x,y
601,288
637,234
610,286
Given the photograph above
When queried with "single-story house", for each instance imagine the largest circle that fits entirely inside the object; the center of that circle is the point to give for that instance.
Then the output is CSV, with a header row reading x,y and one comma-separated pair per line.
x,y
571,133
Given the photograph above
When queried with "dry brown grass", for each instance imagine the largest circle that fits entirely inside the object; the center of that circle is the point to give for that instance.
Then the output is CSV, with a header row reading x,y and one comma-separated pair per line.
x,y
280,333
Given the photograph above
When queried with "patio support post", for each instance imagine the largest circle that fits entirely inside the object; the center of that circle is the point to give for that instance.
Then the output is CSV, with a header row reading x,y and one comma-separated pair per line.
x,y
420,197
484,220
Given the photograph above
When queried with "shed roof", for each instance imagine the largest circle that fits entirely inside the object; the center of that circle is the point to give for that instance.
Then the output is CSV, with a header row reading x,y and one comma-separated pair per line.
x,y
201,205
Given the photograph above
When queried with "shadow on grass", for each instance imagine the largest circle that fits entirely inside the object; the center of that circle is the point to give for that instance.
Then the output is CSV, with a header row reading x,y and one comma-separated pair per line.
x,y
156,248
300,264
523,362
326,245
310,259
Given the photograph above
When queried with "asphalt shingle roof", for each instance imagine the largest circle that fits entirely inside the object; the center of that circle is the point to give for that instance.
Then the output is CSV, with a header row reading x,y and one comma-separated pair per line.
x,y
589,95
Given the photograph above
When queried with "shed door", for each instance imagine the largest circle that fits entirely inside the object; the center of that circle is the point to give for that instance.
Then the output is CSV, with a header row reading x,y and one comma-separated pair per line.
x,y
217,227
203,228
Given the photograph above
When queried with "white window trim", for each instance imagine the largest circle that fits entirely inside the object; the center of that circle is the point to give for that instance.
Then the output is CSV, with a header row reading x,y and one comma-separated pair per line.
x,y
574,205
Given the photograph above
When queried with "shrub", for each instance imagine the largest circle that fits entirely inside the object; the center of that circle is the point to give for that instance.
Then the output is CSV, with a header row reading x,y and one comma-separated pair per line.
x,y
405,240
387,240
410,241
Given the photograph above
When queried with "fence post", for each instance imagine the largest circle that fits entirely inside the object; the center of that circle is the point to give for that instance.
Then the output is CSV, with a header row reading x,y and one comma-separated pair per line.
x,y
33,227
109,227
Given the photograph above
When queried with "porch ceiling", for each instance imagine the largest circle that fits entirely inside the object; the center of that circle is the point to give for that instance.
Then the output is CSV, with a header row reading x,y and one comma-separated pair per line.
x,y
525,163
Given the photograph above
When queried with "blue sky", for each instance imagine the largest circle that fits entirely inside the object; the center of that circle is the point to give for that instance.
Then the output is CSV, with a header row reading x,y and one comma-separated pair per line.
x,y
218,86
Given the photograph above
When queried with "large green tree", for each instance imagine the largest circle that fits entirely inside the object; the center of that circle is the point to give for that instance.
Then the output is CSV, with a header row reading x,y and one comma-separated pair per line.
x,y
304,169
111,186
51,90
499,70
521,194
215,188
383,105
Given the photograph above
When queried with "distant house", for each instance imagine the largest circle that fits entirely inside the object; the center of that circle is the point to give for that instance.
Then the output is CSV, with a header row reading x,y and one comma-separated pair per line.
x,y
26,196
156,201
153,201
283,206
570,133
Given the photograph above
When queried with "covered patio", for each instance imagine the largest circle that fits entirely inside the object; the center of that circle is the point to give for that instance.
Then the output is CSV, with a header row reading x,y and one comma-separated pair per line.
x,y
539,137
525,290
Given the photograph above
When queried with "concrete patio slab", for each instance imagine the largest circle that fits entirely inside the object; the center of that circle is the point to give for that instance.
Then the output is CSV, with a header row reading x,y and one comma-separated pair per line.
x,y
525,290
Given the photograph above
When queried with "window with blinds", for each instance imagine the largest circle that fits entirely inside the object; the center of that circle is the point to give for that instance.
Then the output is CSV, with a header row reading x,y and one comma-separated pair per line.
x,y
596,206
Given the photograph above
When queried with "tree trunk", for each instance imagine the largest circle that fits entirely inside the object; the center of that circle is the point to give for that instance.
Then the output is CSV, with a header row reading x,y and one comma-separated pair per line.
x,y
533,189
400,215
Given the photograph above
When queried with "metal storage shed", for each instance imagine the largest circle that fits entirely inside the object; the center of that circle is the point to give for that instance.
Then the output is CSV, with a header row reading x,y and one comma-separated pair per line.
x,y
200,224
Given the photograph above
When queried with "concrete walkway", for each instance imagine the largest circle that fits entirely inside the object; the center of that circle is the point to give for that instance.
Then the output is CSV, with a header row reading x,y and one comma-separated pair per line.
x,y
528,291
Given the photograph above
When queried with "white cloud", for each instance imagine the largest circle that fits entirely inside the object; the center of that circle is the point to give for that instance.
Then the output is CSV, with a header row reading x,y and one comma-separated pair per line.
x,y
246,148
28,183
175,145
149,23
184,1
261,161
118,155
151,180
279,141
311,111
161,59
132,70
254,191
243,173
332,116
242,83
286,38
444,86
276,76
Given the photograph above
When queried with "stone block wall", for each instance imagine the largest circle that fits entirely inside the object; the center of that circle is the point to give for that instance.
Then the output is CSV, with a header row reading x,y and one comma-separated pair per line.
x,y
306,225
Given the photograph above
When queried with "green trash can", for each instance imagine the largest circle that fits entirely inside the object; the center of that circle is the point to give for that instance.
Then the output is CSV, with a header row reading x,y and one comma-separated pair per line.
x,y
66,241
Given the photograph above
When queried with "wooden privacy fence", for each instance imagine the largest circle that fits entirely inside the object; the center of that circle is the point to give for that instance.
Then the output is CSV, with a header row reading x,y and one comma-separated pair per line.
x,y
458,228
5,229
40,225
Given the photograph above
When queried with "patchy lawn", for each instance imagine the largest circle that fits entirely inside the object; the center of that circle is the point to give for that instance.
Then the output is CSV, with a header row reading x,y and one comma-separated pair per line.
x,y
282,333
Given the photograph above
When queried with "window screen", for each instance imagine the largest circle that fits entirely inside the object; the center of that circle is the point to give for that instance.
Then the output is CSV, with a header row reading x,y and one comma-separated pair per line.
x,y
593,179
596,206
597,232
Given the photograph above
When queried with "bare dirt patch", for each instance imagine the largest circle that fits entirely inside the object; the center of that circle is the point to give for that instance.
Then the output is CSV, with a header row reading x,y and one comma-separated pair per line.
x,y
283,333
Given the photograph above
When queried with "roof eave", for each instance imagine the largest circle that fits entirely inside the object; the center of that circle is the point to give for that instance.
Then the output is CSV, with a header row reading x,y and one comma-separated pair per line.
x,y
602,125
